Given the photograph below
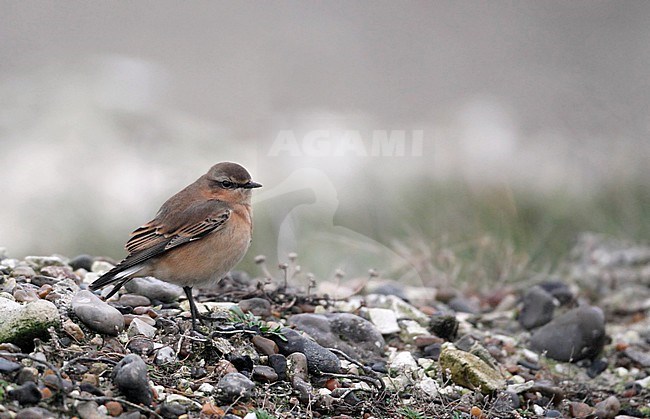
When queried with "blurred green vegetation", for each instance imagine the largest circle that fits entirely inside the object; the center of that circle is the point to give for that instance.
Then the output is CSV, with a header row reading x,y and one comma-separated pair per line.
x,y
456,232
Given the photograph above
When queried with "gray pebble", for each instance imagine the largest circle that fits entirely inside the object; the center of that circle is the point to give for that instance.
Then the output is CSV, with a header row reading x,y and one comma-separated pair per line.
x,y
257,306
318,358
26,394
537,308
235,385
577,334
154,289
96,314
134,300
130,377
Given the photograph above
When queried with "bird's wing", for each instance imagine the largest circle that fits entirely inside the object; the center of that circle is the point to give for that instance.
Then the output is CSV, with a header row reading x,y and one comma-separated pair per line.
x,y
165,233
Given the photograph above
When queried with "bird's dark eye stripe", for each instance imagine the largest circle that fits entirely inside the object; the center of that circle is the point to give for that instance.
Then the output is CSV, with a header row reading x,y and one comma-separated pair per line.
x,y
228,184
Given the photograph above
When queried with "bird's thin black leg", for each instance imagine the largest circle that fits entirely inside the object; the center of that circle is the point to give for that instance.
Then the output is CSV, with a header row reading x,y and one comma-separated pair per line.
x,y
193,310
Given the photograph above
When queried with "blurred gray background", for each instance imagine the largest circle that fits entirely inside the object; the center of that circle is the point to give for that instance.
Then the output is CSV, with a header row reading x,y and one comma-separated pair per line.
x,y
108,108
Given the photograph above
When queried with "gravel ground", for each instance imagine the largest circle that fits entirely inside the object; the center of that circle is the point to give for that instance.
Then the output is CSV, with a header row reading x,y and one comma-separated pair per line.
x,y
574,345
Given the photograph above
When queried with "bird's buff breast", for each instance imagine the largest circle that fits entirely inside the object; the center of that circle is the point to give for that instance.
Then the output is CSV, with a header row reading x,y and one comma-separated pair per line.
x,y
206,260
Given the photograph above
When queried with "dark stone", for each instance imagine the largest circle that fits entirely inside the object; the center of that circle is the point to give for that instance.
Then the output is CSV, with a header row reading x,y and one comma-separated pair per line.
x,y
538,307
552,413
26,394
319,359
256,306
40,280
432,351
7,367
444,326
53,382
198,372
82,262
172,410
462,305
279,364
140,346
234,385
380,367
241,362
596,367
577,334
89,388
130,377
354,335
34,413
264,374
558,290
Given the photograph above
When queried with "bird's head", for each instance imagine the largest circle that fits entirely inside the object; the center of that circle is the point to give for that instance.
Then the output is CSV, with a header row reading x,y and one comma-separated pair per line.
x,y
230,182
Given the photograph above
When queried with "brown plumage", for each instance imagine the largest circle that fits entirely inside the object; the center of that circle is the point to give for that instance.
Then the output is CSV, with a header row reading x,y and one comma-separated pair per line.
x,y
197,236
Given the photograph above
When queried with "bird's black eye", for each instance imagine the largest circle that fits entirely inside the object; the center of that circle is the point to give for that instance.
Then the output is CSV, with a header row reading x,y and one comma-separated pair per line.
x,y
227,184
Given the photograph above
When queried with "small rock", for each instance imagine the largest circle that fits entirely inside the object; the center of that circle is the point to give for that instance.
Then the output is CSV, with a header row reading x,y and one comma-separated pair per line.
x,y
444,326
165,355
23,270
139,327
25,296
21,323
411,330
384,319
297,366
7,367
82,262
134,300
206,388
429,387
580,410
319,359
463,305
131,378
140,346
264,346
114,408
352,334
401,308
73,330
577,334
470,371
26,394
154,289
303,388
538,307
608,408
403,362
27,374
210,410
234,386
172,410
39,262
640,357
279,364
558,290
96,314
34,413
264,374
256,306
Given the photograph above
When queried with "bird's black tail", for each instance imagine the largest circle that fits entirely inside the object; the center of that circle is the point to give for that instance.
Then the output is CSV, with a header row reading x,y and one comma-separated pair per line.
x,y
119,275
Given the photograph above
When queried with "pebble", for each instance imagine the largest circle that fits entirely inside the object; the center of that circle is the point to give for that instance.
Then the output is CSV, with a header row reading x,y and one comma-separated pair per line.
x,y
401,308
444,326
96,314
429,387
24,271
134,300
537,310
297,366
577,334
257,306
34,413
352,334
463,305
21,323
608,408
27,374
279,364
140,346
131,378
470,371
403,362
39,262
139,327
265,346
384,319
165,355
7,367
580,409
82,261
318,358
73,330
172,410
114,408
206,388
264,374
26,394
558,290
154,289
235,385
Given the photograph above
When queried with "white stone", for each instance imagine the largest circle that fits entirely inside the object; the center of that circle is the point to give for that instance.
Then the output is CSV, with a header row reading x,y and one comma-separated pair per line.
x,y
384,320
521,387
100,266
411,329
539,410
206,388
429,387
404,362
139,327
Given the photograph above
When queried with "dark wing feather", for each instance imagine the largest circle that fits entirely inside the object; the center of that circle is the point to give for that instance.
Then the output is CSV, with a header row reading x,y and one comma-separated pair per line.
x,y
161,235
